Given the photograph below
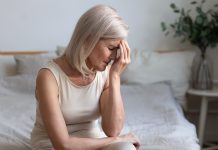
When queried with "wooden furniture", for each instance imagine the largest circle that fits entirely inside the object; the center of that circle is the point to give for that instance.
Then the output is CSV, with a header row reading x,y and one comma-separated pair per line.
x,y
205,98
22,52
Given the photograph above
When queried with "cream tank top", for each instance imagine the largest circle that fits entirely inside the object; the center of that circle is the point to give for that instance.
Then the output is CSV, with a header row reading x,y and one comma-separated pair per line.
x,y
79,106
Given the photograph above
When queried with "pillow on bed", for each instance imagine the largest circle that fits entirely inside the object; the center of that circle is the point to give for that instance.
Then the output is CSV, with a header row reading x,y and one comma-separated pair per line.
x,y
152,67
10,85
7,66
30,64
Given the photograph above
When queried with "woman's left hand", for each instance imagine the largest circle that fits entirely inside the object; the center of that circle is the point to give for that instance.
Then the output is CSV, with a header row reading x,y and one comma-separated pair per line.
x,y
122,61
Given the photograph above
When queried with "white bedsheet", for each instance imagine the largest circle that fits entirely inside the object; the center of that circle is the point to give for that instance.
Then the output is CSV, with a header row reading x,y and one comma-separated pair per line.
x,y
154,116
151,113
17,113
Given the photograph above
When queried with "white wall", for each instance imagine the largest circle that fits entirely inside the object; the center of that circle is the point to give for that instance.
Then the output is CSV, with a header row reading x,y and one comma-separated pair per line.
x,y
44,24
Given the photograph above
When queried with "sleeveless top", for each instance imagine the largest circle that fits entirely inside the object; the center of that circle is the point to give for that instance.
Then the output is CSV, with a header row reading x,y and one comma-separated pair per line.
x,y
79,106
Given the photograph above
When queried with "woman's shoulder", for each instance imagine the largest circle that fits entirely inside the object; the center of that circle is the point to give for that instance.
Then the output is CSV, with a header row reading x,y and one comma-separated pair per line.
x,y
45,75
50,69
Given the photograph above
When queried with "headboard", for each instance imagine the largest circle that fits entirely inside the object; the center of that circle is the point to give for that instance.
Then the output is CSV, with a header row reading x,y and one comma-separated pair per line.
x,y
7,61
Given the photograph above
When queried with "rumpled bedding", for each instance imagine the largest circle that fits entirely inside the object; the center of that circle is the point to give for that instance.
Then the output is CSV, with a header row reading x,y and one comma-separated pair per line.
x,y
151,113
157,119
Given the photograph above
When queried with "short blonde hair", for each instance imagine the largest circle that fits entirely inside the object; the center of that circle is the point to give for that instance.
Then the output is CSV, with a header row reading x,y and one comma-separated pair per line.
x,y
99,22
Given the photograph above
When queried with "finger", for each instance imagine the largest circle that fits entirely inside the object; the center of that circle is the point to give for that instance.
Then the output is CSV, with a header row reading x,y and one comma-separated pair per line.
x,y
128,50
121,52
124,50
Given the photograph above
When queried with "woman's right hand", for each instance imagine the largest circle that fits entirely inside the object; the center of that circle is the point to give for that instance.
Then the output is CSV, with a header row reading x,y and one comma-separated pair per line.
x,y
130,137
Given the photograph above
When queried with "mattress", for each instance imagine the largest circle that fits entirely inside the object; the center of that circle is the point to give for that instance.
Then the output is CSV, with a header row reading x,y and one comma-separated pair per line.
x,y
151,113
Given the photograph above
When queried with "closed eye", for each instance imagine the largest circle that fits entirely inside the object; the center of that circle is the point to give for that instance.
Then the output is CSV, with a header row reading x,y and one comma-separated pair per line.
x,y
113,49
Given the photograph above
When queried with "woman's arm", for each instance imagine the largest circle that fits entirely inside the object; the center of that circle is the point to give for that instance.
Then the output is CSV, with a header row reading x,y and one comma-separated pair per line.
x,y
111,103
112,110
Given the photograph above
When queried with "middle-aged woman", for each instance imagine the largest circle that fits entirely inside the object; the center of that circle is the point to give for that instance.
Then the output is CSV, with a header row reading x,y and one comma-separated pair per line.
x,y
83,84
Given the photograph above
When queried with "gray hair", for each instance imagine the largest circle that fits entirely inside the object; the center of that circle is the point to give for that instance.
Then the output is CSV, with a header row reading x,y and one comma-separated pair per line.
x,y
99,22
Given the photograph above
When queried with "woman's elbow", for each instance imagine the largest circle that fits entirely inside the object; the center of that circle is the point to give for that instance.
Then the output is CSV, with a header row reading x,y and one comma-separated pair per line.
x,y
64,145
112,132
112,129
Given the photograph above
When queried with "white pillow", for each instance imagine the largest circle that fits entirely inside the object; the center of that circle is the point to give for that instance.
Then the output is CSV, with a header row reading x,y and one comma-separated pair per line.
x,y
60,50
17,84
7,66
151,67
30,64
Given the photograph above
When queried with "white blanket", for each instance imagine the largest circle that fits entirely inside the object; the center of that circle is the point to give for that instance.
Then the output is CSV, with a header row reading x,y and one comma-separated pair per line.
x,y
155,117
17,114
151,113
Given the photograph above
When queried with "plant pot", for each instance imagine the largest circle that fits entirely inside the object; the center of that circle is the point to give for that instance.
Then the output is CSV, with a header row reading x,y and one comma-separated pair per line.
x,y
202,72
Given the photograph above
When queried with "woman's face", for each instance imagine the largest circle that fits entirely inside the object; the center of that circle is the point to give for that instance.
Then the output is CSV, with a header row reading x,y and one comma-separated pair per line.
x,y
103,52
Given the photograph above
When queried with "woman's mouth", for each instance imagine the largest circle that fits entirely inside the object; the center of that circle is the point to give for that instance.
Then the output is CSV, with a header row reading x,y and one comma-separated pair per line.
x,y
110,62
107,62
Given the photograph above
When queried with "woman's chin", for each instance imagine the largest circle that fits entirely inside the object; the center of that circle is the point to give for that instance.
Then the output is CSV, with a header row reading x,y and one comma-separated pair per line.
x,y
101,68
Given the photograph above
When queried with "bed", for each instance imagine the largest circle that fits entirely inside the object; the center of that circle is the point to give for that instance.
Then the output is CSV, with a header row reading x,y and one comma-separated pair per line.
x,y
153,103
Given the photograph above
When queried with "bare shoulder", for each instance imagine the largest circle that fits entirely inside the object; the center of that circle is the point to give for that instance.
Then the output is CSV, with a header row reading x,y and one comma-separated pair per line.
x,y
45,76
46,83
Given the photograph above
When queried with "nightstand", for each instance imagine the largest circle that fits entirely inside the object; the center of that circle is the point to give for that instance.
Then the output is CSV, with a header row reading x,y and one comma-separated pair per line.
x,y
206,95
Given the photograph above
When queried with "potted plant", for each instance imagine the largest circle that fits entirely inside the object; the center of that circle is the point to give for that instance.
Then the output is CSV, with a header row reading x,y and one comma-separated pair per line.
x,y
200,30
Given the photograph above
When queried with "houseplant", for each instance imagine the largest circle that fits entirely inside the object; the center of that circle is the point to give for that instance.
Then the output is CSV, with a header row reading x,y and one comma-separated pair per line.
x,y
201,30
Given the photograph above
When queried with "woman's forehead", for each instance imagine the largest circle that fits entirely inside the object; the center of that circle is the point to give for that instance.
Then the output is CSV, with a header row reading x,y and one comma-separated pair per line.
x,y
113,42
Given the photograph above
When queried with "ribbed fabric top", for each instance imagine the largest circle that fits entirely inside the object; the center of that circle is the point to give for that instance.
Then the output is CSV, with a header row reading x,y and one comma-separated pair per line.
x,y
79,104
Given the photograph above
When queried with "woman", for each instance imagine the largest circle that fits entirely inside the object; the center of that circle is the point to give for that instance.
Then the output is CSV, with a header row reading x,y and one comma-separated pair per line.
x,y
74,90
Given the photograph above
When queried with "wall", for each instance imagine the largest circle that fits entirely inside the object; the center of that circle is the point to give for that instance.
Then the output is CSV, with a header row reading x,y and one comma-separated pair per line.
x,y
44,24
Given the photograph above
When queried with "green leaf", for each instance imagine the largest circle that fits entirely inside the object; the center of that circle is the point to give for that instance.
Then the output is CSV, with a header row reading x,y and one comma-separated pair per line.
x,y
188,20
199,10
204,33
199,20
163,25
200,30
183,11
172,25
172,5
177,11
193,2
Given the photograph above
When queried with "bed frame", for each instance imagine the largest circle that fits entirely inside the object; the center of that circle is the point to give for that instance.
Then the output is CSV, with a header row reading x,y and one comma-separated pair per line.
x,y
22,52
7,63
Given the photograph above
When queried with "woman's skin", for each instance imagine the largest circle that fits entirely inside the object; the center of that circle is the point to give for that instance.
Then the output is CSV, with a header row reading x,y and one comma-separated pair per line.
x,y
111,106
111,101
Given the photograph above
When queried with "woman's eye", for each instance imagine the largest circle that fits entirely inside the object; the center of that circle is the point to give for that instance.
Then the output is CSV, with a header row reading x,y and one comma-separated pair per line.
x,y
112,49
